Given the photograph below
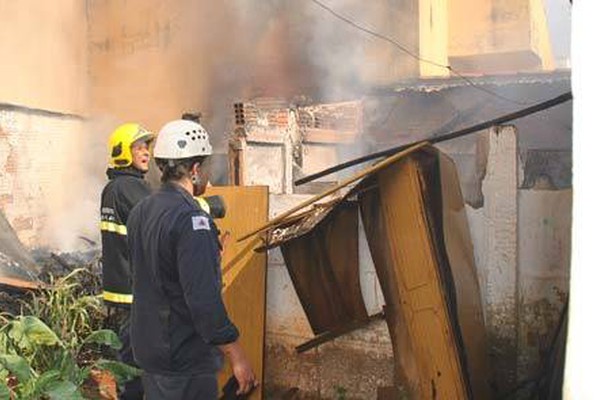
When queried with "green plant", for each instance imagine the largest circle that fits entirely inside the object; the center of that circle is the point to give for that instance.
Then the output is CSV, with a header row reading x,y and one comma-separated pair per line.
x,y
38,364
50,353
66,308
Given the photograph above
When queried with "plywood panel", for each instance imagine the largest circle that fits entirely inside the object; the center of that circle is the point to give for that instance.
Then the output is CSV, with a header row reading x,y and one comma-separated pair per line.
x,y
244,272
405,366
323,265
419,238
420,283
459,249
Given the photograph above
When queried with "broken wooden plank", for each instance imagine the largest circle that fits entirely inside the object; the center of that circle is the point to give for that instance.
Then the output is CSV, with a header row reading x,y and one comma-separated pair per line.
x,y
323,266
330,335
380,165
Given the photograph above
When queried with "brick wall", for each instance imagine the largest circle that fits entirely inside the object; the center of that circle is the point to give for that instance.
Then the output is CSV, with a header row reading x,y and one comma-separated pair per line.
x,y
38,157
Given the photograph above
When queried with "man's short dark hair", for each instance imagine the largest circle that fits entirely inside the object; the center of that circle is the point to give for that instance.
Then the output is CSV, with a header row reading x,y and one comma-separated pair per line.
x,y
174,170
192,116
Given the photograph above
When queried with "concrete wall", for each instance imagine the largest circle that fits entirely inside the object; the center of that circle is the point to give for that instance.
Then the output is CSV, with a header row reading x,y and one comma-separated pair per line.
x,y
521,241
544,271
44,55
383,63
143,66
151,60
501,35
494,26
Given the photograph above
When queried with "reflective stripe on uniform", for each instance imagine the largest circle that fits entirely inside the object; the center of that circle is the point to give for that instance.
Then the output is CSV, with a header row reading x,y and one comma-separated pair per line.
x,y
113,227
117,297
203,204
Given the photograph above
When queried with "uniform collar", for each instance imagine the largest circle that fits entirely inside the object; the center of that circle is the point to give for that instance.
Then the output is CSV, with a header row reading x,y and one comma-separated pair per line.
x,y
174,187
113,173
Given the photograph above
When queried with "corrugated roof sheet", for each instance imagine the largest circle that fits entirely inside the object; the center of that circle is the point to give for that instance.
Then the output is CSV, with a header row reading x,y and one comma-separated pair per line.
x,y
440,84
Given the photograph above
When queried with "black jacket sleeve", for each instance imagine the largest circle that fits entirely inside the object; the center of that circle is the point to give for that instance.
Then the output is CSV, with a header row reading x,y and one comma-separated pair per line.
x,y
200,278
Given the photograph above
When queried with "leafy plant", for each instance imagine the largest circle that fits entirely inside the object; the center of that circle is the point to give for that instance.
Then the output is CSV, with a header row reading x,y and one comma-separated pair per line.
x,y
66,308
50,353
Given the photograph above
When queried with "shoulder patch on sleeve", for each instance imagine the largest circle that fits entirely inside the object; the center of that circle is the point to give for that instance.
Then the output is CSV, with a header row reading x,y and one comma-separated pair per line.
x,y
200,222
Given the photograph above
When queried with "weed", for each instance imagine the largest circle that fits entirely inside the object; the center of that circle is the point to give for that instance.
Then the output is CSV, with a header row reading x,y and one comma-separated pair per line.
x,y
49,352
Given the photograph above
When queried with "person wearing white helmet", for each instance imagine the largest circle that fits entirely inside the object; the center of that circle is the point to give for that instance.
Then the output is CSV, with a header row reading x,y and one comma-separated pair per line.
x,y
179,325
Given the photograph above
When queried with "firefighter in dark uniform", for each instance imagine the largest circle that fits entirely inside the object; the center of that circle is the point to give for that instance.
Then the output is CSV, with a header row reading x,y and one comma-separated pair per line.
x,y
179,325
129,161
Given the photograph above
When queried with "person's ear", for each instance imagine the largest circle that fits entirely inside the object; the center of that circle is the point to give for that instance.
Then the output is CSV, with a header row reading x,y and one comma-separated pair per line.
x,y
196,168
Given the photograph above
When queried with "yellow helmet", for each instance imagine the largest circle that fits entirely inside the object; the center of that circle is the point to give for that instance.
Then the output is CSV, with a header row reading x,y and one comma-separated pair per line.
x,y
120,141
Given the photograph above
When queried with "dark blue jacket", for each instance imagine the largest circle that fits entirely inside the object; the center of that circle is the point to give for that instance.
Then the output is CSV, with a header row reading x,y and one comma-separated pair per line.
x,y
178,316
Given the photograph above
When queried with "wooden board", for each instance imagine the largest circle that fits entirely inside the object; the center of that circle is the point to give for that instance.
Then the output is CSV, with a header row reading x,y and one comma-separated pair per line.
x,y
417,230
244,272
460,253
406,373
323,266
420,283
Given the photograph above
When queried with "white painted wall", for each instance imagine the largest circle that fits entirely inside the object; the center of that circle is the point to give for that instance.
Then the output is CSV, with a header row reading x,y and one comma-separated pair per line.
x,y
544,260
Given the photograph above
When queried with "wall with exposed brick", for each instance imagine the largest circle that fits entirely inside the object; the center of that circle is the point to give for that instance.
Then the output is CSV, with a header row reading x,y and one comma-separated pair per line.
x,y
39,155
43,96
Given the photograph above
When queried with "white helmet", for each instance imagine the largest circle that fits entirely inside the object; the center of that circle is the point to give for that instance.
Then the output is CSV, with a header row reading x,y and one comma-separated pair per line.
x,y
181,139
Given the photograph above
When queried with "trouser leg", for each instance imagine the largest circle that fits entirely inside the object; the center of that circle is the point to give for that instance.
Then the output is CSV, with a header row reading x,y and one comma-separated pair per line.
x,y
119,322
180,387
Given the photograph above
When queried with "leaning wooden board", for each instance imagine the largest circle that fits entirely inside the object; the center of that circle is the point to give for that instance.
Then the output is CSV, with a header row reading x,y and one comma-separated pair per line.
x,y
244,272
419,284
418,233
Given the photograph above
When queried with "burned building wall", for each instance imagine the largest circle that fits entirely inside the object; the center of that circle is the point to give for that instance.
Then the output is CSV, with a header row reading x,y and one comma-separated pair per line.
x,y
522,255
545,219
521,236
43,102
151,60
38,154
